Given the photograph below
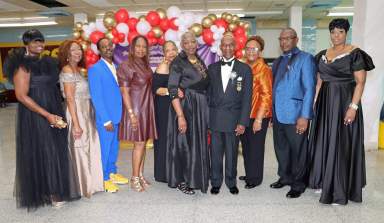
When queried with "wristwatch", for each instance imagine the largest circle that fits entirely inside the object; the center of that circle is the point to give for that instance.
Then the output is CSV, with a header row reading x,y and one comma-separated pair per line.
x,y
353,106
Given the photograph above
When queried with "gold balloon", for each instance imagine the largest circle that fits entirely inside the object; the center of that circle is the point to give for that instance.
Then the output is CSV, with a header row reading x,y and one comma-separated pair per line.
x,y
109,21
142,18
79,26
247,25
197,29
76,34
84,37
162,13
235,19
212,16
232,26
157,31
241,23
84,72
109,13
207,22
224,14
84,45
109,35
228,17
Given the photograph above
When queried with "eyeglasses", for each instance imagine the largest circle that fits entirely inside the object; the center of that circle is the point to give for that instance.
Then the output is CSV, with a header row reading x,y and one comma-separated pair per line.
x,y
252,49
287,38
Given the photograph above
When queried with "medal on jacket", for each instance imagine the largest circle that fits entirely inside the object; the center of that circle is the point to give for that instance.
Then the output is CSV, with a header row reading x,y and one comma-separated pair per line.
x,y
239,84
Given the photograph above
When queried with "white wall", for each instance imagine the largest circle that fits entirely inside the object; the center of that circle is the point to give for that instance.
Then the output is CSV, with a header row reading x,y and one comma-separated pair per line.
x,y
272,47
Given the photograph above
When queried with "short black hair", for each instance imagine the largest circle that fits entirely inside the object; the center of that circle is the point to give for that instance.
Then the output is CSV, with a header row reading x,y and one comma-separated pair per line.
x,y
32,35
339,23
99,41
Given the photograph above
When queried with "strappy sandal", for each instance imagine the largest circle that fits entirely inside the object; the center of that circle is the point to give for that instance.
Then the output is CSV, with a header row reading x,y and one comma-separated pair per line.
x,y
185,189
136,185
145,183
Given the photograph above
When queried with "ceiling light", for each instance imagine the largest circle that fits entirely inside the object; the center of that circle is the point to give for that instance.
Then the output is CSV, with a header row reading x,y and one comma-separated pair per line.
x,y
278,12
23,24
224,10
340,14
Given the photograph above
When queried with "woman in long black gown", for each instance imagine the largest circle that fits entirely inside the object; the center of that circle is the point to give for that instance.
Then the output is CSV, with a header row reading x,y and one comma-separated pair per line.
x,y
162,103
187,148
44,174
337,160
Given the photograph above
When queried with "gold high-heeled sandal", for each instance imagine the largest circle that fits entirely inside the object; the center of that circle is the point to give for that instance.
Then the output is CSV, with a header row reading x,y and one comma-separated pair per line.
x,y
144,182
136,185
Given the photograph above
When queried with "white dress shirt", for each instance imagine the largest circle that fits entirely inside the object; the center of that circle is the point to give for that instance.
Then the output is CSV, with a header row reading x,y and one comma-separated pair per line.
x,y
226,71
112,68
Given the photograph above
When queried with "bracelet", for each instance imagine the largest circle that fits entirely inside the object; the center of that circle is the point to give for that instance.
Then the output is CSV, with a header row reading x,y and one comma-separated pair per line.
x,y
259,121
353,106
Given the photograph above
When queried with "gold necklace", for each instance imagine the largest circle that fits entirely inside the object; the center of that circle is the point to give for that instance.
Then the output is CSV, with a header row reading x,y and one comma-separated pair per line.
x,y
193,61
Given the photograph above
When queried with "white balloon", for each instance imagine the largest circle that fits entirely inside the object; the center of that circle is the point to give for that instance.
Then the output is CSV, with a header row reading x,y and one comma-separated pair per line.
x,y
171,35
143,27
221,30
213,28
216,36
188,18
94,48
122,28
173,11
100,26
92,27
200,40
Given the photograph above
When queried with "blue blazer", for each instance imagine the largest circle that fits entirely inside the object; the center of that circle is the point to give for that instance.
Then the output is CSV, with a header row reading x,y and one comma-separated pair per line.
x,y
294,91
105,94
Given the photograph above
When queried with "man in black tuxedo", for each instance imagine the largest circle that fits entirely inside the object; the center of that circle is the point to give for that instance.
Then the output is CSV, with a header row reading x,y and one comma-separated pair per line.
x,y
229,94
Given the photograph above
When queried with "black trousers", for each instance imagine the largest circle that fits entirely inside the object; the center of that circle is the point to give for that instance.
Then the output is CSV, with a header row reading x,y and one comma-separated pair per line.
x,y
253,145
291,153
224,144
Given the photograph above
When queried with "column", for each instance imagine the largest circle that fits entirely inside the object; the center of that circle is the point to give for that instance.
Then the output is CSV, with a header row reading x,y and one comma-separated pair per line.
x,y
296,21
367,34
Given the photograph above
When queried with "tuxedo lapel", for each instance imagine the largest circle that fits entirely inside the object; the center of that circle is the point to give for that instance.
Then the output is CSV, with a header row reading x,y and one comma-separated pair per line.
x,y
108,72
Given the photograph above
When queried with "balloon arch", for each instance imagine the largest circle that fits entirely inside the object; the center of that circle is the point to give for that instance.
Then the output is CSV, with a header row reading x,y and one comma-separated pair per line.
x,y
159,26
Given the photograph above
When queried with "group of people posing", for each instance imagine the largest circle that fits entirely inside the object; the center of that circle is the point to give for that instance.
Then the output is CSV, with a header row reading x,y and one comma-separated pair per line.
x,y
196,115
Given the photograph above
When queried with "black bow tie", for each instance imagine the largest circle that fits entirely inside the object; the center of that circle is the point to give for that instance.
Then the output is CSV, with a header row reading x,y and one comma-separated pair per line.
x,y
229,63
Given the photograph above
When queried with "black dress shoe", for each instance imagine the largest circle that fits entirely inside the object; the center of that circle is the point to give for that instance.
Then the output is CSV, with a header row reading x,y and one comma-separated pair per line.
x,y
242,178
215,190
277,185
234,190
293,194
250,185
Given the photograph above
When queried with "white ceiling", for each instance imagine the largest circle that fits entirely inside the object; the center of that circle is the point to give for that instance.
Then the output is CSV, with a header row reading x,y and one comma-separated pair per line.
x,y
26,8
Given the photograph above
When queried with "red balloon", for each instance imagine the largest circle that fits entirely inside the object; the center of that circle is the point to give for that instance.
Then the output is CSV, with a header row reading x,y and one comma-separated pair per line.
x,y
208,36
161,40
89,52
239,31
151,34
115,40
172,24
121,37
132,24
95,36
114,32
221,23
94,58
131,36
239,54
121,15
164,24
241,41
153,18
152,41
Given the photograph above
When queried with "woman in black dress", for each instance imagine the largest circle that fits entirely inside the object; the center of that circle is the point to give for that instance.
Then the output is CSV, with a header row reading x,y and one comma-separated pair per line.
x,y
44,174
337,162
187,148
162,102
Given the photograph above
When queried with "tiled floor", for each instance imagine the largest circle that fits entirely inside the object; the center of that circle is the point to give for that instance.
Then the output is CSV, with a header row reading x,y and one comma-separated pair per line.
x,y
161,204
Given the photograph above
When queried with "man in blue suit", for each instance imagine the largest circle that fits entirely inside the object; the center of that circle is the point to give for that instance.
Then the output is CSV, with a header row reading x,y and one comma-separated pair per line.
x,y
106,98
293,93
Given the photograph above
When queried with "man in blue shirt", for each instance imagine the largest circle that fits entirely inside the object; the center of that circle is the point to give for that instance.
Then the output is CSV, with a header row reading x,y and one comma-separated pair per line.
x,y
294,82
